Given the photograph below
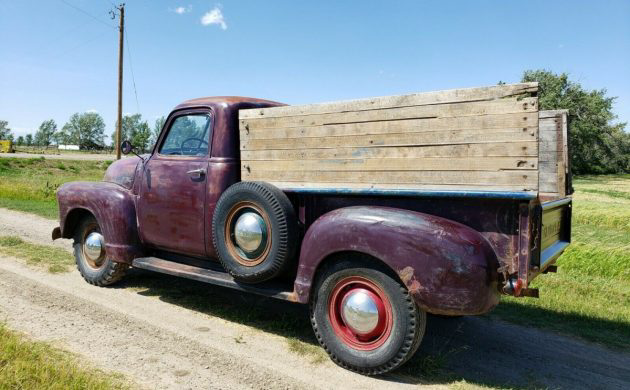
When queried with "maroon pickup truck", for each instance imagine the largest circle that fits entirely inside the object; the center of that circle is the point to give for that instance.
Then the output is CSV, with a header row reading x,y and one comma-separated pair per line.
x,y
370,264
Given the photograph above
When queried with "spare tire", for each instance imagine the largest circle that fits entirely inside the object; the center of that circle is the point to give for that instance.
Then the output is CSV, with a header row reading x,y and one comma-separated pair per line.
x,y
254,230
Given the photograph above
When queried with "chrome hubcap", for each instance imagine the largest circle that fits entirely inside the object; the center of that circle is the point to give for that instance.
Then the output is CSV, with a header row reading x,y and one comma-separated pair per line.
x,y
360,312
250,232
93,247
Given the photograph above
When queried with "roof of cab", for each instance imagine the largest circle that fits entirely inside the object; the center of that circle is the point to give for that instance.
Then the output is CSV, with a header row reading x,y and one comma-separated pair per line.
x,y
227,100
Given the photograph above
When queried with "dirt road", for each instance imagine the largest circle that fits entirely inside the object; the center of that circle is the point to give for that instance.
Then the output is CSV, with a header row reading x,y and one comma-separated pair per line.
x,y
147,329
63,156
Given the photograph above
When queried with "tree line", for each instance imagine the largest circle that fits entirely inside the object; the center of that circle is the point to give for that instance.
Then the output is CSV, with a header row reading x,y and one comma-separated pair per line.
x,y
87,130
598,143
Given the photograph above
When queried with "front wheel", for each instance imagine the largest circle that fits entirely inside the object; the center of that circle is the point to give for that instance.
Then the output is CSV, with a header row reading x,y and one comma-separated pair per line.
x,y
365,318
89,253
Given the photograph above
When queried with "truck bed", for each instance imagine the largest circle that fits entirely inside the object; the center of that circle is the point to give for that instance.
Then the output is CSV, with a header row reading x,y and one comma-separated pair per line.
x,y
477,141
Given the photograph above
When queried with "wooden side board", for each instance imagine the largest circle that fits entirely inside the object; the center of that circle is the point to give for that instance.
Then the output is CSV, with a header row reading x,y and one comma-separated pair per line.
x,y
478,139
553,153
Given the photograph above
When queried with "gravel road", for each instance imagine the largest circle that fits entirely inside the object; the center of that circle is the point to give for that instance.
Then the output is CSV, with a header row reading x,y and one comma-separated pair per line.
x,y
162,344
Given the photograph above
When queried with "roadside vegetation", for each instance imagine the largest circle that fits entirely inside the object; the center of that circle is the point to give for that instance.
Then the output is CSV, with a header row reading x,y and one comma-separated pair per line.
x,y
53,259
589,297
26,364
30,184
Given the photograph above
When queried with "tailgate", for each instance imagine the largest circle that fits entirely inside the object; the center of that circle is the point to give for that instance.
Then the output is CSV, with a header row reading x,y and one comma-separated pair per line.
x,y
555,230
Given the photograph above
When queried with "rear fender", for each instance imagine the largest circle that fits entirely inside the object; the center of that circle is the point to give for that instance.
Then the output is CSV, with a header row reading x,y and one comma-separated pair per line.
x,y
448,267
113,207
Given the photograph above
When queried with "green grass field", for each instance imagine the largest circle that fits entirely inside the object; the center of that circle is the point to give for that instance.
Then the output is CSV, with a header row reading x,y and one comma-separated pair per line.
x,y
30,184
26,364
589,297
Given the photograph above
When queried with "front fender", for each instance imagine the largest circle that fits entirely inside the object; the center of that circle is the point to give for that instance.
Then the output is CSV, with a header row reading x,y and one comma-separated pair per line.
x,y
448,267
113,207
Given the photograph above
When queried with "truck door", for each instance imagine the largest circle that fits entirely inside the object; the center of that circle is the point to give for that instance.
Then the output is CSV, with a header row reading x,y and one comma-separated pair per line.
x,y
171,206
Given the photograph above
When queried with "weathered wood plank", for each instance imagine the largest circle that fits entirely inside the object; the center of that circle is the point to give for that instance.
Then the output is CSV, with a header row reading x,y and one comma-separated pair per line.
x,y
552,113
500,121
410,139
288,185
501,106
396,164
504,149
552,152
417,99
408,179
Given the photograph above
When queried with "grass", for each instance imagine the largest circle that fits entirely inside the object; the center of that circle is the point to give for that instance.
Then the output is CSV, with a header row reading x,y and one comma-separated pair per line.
x,y
30,184
26,364
589,297
53,259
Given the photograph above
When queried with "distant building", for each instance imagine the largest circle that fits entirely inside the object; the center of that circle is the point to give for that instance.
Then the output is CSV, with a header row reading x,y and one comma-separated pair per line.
x,y
68,147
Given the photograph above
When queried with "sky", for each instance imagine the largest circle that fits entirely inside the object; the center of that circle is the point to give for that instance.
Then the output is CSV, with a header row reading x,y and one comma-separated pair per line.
x,y
58,57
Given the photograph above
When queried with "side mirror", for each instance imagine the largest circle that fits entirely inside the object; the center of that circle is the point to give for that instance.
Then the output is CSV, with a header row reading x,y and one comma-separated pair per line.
x,y
126,147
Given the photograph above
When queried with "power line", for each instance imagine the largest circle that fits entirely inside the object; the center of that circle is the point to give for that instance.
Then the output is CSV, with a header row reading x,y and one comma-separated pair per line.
x,y
133,78
73,48
88,14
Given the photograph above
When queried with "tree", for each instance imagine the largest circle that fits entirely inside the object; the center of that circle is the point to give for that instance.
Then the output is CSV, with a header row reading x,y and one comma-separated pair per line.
x,y
63,137
86,130
135,130
598,145
5,131
29,139
46,132
20,141
157,129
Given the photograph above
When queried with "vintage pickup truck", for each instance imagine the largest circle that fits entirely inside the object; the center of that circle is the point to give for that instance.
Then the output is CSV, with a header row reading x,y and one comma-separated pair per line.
x,y
373,211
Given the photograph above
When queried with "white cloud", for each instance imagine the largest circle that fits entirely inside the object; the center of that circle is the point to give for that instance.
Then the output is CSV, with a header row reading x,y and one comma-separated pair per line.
x,y
182,10
92,111
214,16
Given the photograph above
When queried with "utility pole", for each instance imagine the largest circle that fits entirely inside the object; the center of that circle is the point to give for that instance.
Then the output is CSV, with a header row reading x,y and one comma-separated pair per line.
x,y
121,9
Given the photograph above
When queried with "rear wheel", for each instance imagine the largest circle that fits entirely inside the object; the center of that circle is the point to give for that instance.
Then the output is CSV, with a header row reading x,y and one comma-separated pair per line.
x,y
365,318
89,253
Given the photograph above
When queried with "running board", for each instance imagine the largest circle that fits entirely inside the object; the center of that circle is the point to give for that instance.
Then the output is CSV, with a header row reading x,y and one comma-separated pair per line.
x,y
219,278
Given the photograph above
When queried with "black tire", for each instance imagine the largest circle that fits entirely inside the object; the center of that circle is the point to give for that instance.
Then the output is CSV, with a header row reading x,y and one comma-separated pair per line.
x,y
407,325
280,241
104,273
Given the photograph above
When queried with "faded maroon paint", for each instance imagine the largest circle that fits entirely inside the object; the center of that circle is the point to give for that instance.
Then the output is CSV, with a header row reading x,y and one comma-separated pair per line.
x,y
449,268
495,219
122,172
171,204
113,207
222,173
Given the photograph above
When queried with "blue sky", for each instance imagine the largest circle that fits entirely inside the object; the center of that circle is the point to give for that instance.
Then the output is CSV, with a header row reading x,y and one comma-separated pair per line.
x,y
56,60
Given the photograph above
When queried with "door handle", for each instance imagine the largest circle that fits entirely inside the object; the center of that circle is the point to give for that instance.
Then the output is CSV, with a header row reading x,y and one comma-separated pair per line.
x,y
196,173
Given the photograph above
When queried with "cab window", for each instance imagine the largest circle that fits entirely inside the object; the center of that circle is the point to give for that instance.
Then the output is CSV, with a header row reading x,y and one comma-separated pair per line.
x,y
188,136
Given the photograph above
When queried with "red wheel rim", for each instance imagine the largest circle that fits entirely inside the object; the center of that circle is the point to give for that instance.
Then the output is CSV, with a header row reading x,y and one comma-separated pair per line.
x,y
373,338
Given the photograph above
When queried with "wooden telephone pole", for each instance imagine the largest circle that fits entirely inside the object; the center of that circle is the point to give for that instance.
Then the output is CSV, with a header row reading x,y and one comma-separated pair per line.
x,y
121,9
